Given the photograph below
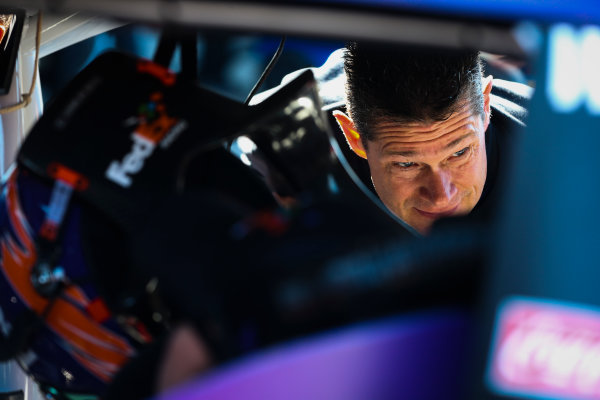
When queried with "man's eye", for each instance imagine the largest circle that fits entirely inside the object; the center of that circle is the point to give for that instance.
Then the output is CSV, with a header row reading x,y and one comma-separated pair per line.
x,y
404,165
460,152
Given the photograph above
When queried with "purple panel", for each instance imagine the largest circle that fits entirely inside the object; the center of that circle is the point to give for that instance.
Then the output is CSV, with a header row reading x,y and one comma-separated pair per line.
x,y
421,356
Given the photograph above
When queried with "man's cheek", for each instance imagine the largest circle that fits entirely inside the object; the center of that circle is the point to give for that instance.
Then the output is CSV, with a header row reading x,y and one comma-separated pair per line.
x,y
402,200
469,176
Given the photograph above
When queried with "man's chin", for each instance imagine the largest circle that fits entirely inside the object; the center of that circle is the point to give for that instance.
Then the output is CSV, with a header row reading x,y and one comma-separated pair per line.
x,y
421,225
423,229
424,224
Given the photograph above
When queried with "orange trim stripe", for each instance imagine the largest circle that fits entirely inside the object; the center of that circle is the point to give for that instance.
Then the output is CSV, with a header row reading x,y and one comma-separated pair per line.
x,y
96,347
69,176
164,74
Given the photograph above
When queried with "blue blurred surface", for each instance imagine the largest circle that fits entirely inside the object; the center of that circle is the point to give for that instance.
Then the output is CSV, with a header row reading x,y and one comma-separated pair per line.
x,y
539,10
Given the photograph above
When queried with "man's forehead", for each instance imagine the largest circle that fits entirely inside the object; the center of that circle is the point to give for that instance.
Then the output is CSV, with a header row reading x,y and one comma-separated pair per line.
x,y
447,131
398,148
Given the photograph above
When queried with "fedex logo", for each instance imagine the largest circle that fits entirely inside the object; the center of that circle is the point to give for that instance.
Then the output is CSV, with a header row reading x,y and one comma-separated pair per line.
x,y
546,350
153,125
120,171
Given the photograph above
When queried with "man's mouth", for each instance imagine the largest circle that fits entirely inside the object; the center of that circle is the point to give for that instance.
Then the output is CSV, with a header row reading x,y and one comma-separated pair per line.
x,y
438,214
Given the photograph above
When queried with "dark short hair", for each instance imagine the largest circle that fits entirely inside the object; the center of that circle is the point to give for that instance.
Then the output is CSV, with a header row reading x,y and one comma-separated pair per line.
x,y
408,85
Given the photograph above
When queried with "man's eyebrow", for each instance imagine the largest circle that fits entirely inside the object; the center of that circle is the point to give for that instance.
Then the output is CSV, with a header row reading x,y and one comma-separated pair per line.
x,y
458,140
405,153
410,153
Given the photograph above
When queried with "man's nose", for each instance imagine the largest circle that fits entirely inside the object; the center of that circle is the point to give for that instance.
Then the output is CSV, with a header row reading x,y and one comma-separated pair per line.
x,y
438,188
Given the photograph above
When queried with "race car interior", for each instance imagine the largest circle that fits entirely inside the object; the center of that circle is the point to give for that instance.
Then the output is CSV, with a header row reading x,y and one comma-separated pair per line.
x,y
177,164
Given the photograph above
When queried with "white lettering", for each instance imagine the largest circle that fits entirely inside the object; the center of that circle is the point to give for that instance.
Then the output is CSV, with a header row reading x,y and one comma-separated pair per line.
x,y
173,134
132,163
588,369
590,63
541,350
573,64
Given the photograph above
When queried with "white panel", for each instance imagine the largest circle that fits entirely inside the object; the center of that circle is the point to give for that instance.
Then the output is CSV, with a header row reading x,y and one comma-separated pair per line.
x,y
60,31
12,123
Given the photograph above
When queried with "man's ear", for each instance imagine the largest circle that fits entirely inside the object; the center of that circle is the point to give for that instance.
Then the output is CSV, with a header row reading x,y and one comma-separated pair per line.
x,y
350,132
487,84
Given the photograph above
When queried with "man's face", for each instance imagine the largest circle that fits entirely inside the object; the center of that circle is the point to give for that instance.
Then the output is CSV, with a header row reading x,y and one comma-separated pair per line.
x,y
426,171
